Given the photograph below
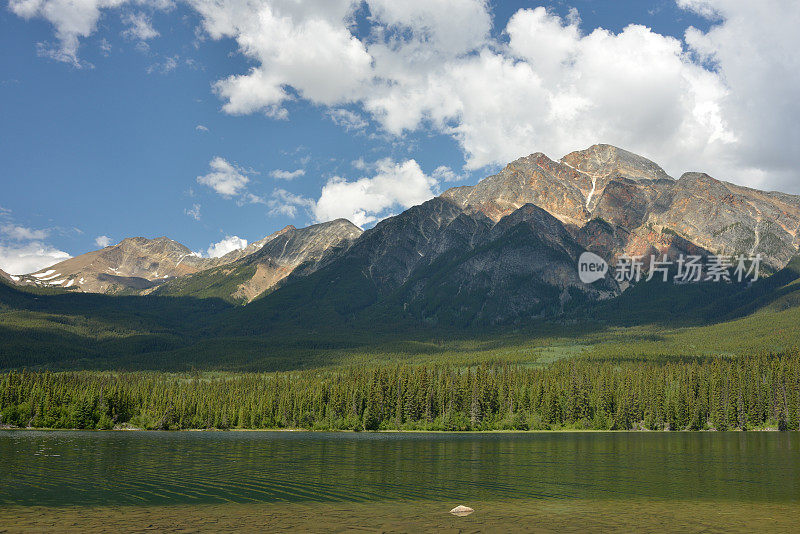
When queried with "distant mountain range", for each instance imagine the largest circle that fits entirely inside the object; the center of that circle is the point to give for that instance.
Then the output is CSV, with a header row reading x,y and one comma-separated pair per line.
x,y
503,249
141,266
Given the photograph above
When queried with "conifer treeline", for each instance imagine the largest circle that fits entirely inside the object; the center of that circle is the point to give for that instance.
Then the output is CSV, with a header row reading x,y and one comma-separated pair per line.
x,y
762,391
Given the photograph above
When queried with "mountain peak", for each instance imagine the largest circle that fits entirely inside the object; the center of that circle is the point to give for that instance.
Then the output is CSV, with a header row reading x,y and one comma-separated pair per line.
x,y
163,243
609,161
342,221
570,189
262,265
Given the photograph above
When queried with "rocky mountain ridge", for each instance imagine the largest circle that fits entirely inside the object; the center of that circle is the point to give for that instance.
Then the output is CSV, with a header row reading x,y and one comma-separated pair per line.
x,y
443,265
646,211
262,268
134,264
506,247
139,265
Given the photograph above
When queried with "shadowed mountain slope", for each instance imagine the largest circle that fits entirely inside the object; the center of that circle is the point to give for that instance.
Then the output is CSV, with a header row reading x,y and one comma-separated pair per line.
x,y
261,269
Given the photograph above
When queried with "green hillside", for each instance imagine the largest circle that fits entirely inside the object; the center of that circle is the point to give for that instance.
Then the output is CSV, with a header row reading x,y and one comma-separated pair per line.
x,y
287,330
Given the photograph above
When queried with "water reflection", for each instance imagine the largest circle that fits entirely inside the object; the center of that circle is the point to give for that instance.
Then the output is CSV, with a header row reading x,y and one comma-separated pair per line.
x,y
154,468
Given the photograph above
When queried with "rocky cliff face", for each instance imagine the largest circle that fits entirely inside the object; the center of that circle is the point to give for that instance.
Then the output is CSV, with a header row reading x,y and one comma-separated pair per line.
x,y
646,211
445,265
523,266
729,219
535,179
249,249
269,261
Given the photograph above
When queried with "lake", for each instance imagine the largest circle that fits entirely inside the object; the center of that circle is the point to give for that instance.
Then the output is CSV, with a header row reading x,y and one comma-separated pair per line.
x,y
179,481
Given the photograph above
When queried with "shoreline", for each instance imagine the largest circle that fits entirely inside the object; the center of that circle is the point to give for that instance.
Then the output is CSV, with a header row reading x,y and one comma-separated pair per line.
x,y
289,430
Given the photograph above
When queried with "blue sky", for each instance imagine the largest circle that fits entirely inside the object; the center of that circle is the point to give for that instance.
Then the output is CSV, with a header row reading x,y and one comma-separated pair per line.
x,y
128,119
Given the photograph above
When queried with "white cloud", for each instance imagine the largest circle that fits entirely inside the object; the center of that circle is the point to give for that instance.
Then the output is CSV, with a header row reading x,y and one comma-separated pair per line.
x,y
72,20
226,179
287,175
444,173
250,198
550,87
169,64
229,244
138,27
22,233
723,100
753,48
366,200
423,30
285,203
303,44
21,248
105,47
29,257
201,128
102,241
159,5
193,212
555,90
362,201
348,120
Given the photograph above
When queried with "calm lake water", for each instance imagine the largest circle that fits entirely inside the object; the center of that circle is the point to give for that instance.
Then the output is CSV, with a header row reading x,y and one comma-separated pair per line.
x,y
345,481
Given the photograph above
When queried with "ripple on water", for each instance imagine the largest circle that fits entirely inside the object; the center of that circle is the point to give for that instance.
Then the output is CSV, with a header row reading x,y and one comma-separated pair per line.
x,y
155,468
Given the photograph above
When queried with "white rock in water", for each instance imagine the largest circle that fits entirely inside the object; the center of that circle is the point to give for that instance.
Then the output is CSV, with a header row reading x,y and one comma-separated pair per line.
x,y
461,510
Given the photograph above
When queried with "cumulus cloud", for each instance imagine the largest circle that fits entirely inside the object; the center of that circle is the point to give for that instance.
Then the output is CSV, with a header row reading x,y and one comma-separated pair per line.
x,y
369,199
29,257
225,178
307,45
102,241
549,87
21,248
229,244
722,100
753,48
363,201
287,175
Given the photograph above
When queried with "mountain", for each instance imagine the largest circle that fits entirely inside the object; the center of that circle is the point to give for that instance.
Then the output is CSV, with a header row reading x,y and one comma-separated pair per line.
x,y
502,250
135,264
523,266
456,277
616,202
442,265
5,276
506,248
265,263
139,265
